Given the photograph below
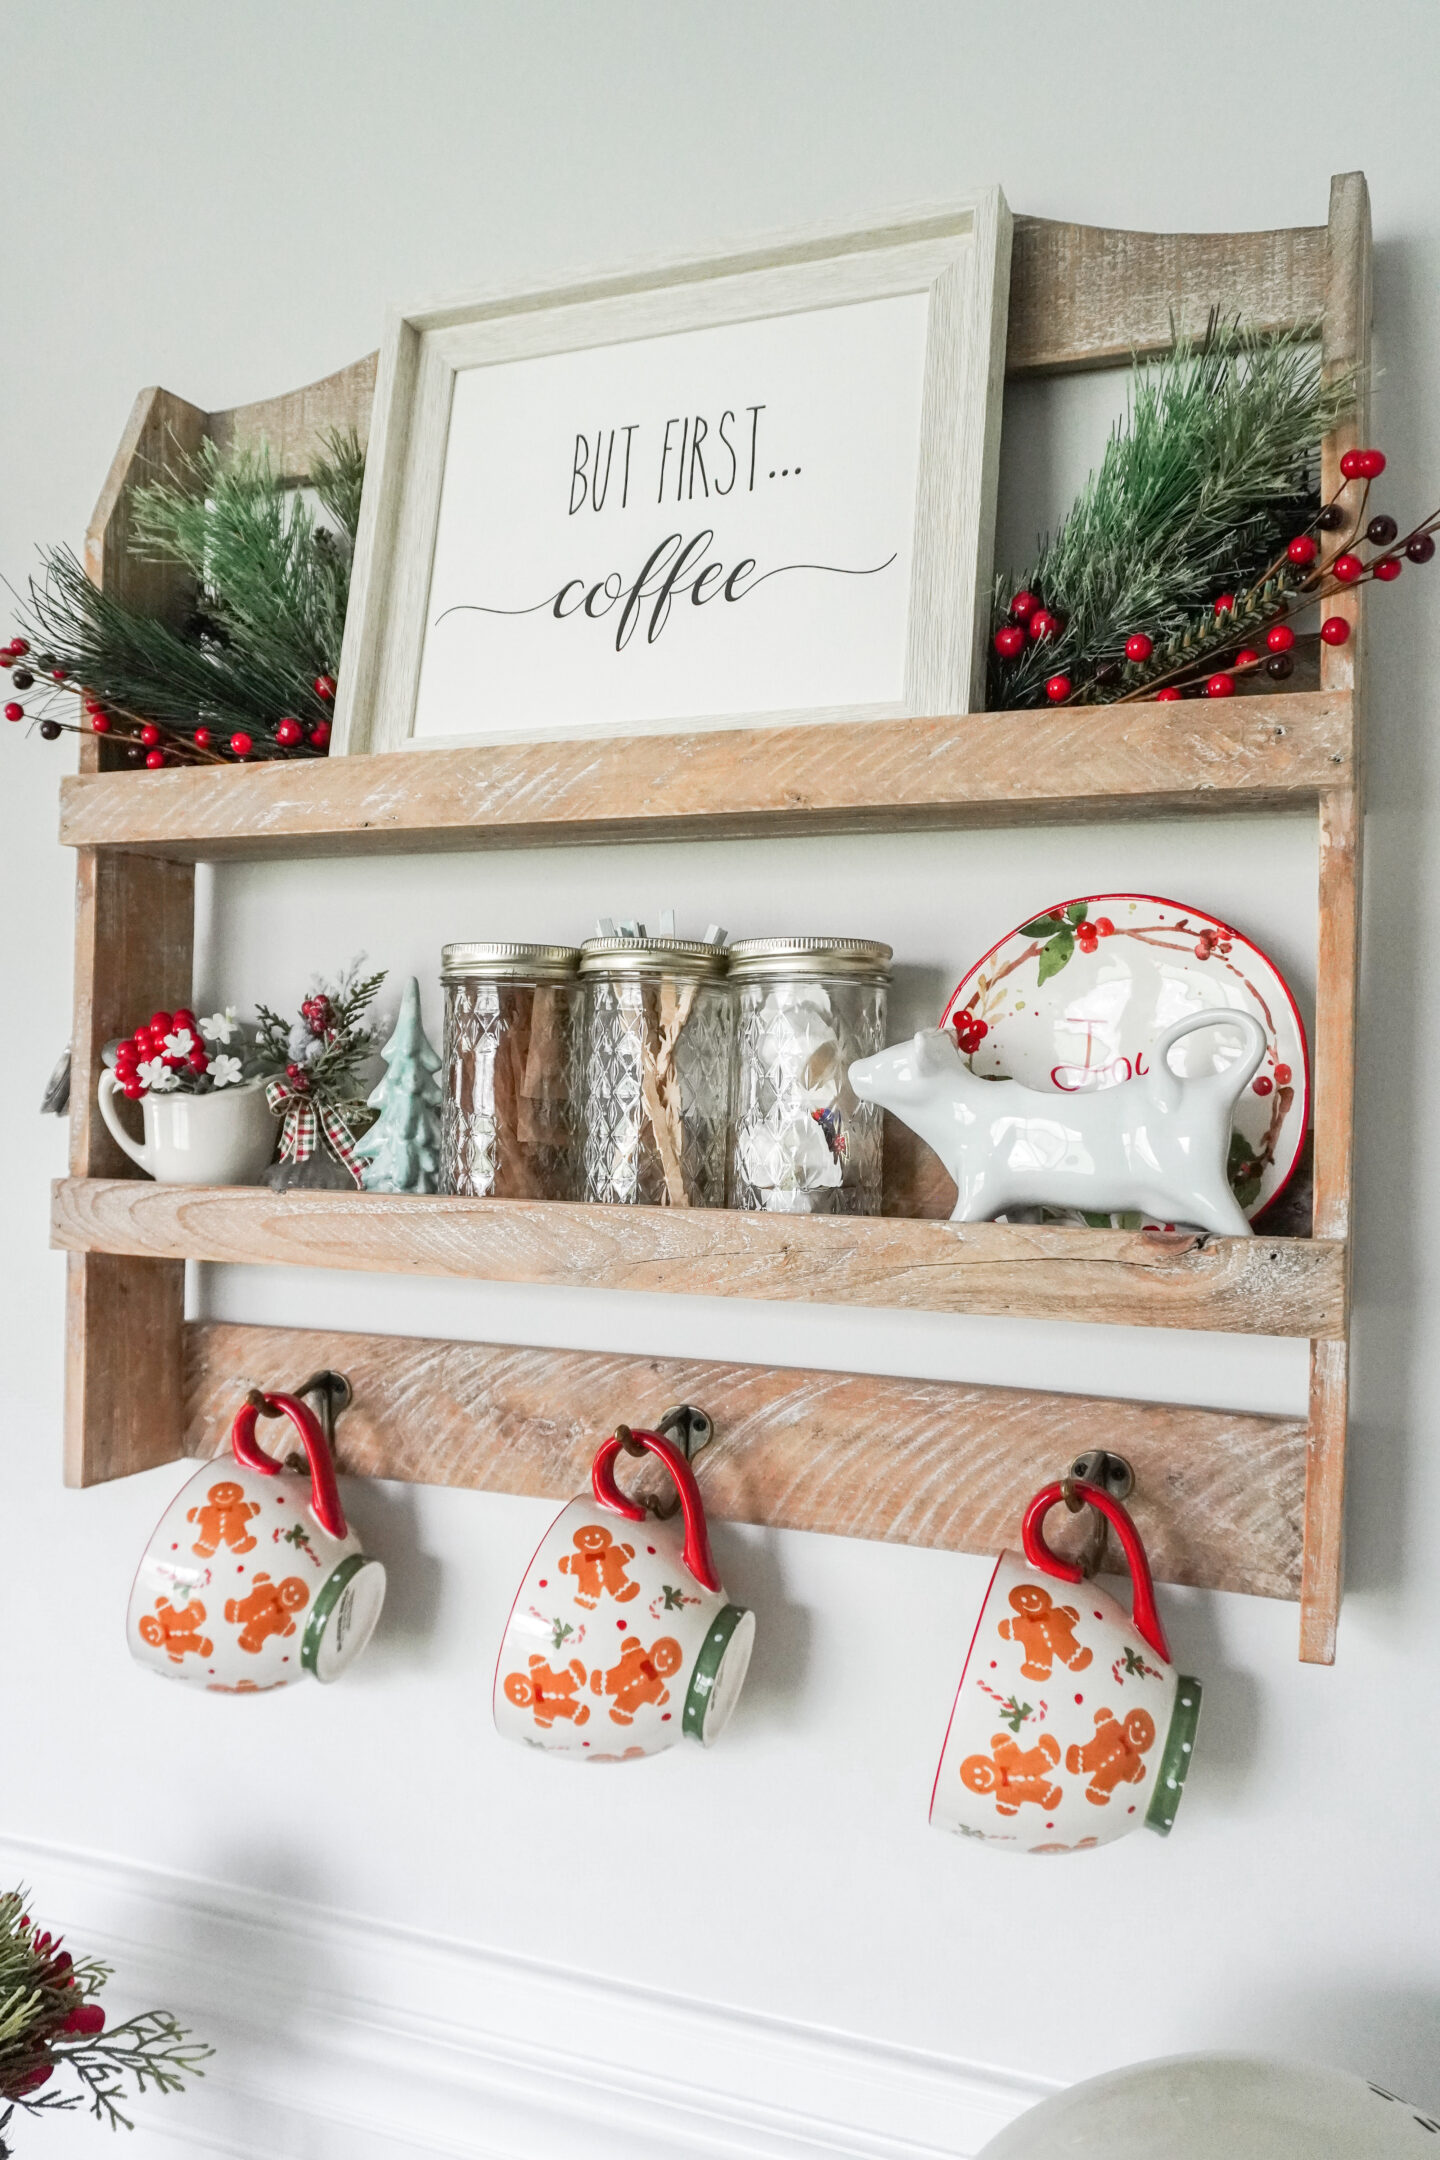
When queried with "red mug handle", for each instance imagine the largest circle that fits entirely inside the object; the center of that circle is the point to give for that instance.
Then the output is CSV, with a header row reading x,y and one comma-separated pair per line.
x,y
324,1490
696,1554
1039,1555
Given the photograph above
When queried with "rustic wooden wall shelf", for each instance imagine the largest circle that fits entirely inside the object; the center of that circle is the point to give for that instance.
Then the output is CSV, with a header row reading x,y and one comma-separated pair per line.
x,y
1225,1500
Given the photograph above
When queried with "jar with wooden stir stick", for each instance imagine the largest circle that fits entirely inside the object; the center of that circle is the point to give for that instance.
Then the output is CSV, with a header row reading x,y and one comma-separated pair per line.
x,y
660,1040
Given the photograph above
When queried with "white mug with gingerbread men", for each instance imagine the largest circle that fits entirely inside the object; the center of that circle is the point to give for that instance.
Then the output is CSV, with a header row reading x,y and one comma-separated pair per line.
x,y
618,1644
253,1579
1071,1726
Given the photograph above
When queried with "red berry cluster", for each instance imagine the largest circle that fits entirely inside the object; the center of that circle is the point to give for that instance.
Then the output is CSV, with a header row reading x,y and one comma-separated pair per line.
x,y
1088,934
970,1032
53,1970
318,1013
148,1043
146,742
1213,939
1296,579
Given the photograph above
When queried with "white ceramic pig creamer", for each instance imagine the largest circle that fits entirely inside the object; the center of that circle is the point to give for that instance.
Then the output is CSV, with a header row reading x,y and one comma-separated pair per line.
x,y
1157,1144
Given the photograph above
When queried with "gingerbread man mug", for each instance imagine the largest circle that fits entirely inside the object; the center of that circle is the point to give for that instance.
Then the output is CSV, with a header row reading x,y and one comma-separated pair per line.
x,y
253,1579
621,1639
1071,1726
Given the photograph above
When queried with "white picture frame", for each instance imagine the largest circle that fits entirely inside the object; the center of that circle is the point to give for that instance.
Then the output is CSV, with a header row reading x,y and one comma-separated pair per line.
x,y
888,344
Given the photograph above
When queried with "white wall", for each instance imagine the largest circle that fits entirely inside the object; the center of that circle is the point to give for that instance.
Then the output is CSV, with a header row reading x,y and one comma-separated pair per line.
x,y
763,1949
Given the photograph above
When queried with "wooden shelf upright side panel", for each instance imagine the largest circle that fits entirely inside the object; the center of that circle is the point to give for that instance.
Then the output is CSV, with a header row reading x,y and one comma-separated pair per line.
x,y
134,929
1345,346
913,1462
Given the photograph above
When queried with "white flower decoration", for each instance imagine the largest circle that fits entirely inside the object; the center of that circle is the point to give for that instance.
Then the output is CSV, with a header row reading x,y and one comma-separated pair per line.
x,y
156,1075
225,1071
181,1044
220,1026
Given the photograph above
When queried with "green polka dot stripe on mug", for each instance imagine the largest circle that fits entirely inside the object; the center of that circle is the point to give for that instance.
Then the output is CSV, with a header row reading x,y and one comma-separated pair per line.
x,y
707,1670
329,1597
1175,1761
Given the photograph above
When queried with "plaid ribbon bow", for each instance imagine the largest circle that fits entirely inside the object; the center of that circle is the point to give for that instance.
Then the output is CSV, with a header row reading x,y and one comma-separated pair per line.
x,y
305,1117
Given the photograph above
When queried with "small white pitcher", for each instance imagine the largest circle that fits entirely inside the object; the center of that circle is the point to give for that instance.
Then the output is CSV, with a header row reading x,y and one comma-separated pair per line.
x,y
226,1138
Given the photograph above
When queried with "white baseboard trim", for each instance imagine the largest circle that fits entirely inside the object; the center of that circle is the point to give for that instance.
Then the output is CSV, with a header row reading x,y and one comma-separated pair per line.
x,y
342,2038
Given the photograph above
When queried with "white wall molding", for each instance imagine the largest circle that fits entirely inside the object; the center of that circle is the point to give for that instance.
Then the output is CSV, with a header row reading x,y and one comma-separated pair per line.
x,y
345,2036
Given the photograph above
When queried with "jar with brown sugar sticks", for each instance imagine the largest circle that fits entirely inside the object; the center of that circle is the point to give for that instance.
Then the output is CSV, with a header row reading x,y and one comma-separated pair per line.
x,y
510,1122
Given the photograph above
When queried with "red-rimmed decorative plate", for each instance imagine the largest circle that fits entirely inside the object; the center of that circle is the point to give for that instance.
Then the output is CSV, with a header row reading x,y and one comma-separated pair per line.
x,y
1076,995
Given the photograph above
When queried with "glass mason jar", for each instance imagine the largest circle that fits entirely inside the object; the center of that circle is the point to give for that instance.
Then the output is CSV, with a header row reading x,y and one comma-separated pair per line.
x,y
804,1144
514,1043
659,1043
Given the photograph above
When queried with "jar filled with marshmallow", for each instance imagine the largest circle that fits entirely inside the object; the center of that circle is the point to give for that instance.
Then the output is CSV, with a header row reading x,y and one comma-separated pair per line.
x,y
807,1007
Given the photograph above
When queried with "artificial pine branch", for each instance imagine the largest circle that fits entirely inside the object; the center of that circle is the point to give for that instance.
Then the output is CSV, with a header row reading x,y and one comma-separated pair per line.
x,y
271,584
50,2021
1212,468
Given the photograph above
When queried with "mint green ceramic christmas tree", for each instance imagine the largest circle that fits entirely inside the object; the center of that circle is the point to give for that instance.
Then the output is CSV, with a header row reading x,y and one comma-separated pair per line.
x,y
401,1151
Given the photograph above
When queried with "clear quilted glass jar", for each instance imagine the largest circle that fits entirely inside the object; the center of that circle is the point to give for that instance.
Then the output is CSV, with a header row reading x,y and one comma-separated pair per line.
x,y
804,1144
659,1042
514,1044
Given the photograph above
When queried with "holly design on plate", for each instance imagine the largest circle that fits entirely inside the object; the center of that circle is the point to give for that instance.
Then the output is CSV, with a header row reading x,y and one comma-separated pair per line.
x,y
1046,945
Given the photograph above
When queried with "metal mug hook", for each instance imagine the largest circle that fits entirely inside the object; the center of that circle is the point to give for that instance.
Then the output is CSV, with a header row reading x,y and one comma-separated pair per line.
x,y
689,1430
1109,1473
333,1394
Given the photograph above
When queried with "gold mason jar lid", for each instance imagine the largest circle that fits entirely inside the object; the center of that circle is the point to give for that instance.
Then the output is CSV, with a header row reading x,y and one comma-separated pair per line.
x,y
765,959
508,963
690,957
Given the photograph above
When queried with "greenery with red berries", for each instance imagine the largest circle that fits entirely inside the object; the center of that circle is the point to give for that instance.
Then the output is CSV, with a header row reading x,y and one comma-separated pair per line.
x,y
50,2022
1202,485
251,672
1239,634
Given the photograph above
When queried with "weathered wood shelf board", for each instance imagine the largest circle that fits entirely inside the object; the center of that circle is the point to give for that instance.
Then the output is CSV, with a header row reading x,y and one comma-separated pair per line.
x,y
915,1462
1248,1286
1236,1502
1148,759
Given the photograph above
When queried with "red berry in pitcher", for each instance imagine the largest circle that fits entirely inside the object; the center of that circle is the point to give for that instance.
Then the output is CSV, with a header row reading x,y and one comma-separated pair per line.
x,y
1280,637
1335,630
1138,647
1302,550
1346,568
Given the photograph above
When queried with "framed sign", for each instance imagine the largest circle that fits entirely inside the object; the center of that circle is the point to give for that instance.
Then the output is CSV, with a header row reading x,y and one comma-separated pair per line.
x,y
756,489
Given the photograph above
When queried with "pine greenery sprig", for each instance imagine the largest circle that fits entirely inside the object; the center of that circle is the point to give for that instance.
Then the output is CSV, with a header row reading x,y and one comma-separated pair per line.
x,y
271,583
49,2022
1212,468
330,1041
